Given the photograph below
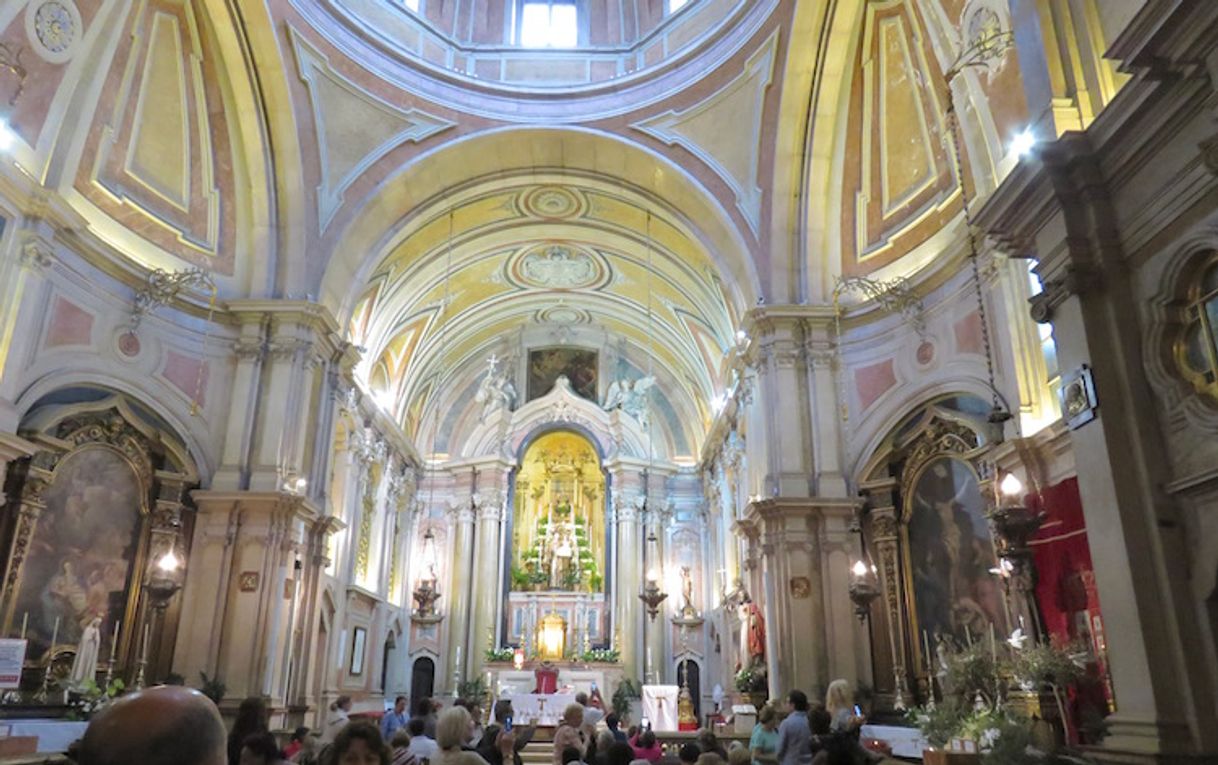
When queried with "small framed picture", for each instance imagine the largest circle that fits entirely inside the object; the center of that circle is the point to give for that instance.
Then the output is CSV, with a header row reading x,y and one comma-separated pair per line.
x,y
1078,397
358,641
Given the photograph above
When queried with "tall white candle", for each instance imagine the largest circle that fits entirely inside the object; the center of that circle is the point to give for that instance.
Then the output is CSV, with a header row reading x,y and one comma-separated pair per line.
x,y
144,651
926,648
25,622
968,636
114,643
993,646
54,636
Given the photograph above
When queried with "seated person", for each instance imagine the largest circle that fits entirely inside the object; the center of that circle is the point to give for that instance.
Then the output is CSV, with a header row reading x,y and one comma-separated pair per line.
x,y
689,754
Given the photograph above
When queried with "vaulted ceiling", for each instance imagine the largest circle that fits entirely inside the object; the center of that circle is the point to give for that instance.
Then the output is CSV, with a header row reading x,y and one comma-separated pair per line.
x,y
322,149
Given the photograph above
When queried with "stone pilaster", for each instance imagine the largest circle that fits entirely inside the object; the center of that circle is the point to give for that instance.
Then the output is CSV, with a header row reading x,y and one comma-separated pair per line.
x,y
1061,212
628,611
486,583
461,554
244,551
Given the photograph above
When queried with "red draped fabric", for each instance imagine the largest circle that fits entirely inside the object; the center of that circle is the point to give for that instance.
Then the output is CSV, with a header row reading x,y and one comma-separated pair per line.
x,y
1066,594
547,680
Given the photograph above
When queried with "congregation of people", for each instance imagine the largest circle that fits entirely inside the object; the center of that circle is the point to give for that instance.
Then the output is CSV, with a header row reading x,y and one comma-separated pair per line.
x,y
177,725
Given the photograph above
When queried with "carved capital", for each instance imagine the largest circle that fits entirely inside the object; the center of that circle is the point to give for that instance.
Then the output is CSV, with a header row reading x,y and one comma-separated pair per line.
x,y
36,254
1075,281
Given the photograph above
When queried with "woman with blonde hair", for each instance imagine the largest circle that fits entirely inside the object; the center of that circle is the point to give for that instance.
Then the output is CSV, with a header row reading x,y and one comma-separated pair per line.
x,y
453,729
570,733
839,701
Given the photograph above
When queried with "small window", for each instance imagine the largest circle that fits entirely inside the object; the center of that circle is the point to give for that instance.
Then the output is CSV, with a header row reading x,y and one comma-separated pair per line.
x,y
549,24
1197,346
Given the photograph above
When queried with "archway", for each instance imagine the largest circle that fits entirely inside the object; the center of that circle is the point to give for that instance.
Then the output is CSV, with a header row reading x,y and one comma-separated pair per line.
x,y
422,679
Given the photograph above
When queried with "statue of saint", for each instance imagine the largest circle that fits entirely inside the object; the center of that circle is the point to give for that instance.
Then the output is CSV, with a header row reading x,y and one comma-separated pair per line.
x,y
562,550
687,594
84,666
496,390
752,635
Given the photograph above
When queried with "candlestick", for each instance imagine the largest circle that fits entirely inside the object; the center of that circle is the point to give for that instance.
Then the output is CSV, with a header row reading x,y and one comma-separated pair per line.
x,y
54,636
993,646
144,649
926,647
25,621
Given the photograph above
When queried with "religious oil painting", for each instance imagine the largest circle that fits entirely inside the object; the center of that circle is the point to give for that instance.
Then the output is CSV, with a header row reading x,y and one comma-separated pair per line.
x,y
81,556
578,365
951,554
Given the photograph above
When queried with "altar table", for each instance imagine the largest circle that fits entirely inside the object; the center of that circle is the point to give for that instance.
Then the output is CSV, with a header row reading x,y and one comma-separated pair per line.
x,y
660,706
545,708
904,742
53,735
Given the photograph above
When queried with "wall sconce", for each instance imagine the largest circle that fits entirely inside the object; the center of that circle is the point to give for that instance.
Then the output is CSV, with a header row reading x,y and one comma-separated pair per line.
x,y
864,588
1013,524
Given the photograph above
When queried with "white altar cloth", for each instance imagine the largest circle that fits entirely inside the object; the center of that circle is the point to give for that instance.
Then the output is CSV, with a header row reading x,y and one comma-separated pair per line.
x,y
53,735
545,708
660,706
904,742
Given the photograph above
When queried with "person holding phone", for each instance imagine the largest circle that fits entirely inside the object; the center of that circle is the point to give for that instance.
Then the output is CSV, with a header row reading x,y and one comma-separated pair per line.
x,y
839,700
489,746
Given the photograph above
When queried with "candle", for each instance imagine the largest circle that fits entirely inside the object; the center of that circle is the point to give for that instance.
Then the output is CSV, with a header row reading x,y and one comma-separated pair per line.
x,y
144,652
926,647
54,636
114,644
993,646
25,622
968,636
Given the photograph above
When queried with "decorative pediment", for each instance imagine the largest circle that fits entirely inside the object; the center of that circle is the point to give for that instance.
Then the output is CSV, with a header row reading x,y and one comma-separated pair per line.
x,y
503,432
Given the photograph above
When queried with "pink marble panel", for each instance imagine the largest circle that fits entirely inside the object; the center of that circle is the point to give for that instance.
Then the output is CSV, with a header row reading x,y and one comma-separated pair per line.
x,y
188,374
873,381
968,334
70,325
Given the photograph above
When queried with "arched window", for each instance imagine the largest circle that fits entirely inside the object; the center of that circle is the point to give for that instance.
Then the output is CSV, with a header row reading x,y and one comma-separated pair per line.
x,y
1197,347
422,678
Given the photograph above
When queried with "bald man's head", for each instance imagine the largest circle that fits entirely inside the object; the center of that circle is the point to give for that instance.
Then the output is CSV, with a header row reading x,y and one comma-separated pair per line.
x,y
169,725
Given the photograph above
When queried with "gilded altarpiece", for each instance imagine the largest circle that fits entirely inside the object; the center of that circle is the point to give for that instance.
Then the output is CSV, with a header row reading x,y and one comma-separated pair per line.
x,y
85,516
927,533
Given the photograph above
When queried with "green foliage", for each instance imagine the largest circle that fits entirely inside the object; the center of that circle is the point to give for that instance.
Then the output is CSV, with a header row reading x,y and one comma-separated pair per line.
x,y
625,695
93,697
974,671
1044,665
212,687
608,655
942,722
750,680
474,690
173,678
500,654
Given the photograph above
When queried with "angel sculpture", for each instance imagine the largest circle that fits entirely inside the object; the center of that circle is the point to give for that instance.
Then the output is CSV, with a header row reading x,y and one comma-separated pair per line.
x,y
635,401
496,390
616,394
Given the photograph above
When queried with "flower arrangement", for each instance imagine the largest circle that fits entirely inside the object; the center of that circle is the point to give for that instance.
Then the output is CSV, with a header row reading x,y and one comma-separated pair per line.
x,y
93,697
974,705
505,653
606,655
750,680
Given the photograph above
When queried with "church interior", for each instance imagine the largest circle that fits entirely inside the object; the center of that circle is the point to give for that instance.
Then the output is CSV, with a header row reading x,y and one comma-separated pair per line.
x,y
519,349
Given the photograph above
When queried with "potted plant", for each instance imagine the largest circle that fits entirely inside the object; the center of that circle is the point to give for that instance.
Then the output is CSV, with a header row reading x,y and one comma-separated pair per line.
x,y
627,692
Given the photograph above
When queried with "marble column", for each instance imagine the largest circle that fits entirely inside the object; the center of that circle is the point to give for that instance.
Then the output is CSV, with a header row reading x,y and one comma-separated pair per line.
x,y
486,581
628,607
461,557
